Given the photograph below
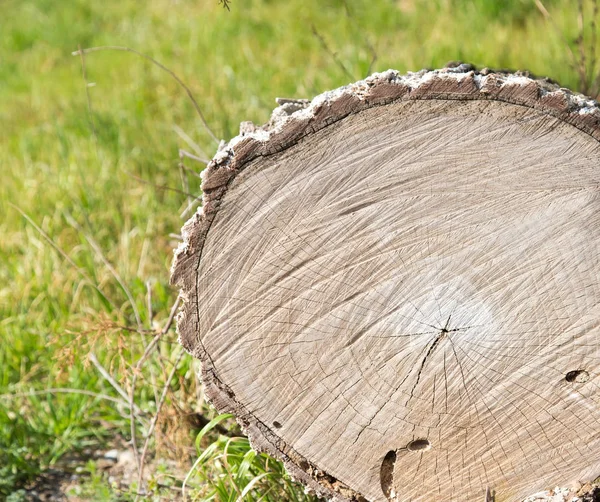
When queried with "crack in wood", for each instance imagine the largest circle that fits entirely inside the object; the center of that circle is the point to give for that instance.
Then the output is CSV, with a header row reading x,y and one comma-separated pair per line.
x,y
440,336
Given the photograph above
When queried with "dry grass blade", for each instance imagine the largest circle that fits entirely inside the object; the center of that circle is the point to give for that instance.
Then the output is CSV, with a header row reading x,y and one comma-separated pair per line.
x,y
155,418
150,347
190,142
186,212
183,153
60,251
149,303
96,247
62,390
162,67
115,385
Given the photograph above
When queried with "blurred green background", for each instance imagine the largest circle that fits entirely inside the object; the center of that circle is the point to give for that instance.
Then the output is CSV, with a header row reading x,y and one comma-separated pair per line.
x,y
91,197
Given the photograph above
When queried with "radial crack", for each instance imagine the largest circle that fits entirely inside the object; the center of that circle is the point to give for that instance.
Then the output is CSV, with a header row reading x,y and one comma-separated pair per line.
x,y
441,335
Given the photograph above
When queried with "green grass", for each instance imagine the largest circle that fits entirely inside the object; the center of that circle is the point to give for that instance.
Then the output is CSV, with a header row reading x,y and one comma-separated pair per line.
x,y
75,170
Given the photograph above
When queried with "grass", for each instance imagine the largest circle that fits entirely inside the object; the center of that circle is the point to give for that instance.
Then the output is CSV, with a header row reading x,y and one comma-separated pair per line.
x,y
87,232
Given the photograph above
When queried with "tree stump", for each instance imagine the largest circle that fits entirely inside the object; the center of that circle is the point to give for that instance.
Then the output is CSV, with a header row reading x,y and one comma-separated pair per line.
x,y
395,287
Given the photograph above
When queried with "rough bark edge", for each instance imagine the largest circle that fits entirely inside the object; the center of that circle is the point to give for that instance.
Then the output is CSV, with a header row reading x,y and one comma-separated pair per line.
x,y
290,122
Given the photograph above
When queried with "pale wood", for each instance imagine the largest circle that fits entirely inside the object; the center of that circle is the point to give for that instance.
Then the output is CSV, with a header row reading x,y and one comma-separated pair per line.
x,y
396,287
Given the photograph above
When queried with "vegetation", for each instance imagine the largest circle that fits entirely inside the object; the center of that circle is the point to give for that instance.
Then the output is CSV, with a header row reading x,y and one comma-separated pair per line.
x,y
94,193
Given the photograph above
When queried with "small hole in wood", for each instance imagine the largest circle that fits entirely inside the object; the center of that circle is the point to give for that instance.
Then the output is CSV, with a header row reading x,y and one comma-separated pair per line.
x,y
419,445
386,475
577,376
276,424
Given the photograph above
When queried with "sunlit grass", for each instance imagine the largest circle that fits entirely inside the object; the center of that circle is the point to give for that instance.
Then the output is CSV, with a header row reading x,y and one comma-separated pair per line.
x,y
93,277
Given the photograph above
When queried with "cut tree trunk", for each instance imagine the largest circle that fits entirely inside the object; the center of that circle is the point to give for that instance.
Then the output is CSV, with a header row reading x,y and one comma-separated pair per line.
x,y
395,287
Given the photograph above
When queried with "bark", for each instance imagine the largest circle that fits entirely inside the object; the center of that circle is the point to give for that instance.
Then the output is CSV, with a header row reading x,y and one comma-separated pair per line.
x,y
395,286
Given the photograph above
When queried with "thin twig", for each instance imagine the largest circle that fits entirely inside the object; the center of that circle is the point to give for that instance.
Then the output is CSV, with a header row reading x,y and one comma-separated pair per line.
x,y
373,55
333,55
132,429
191,171
160,187
366,40
137,369
60,251
156,339
193,199
123,327
155,418
162,67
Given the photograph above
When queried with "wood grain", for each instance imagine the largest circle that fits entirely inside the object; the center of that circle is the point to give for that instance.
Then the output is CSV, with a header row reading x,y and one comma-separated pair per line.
x,y
396,288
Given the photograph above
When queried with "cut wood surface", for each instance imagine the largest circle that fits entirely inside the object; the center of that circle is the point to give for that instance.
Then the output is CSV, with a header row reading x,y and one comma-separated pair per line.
x,y
395,287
